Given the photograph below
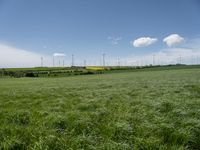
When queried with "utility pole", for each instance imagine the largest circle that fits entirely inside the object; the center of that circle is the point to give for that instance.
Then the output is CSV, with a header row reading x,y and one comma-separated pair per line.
x,y
63,63
153,59
180,59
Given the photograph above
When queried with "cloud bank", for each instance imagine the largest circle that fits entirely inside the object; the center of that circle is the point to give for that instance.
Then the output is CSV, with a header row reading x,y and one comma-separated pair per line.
x,y
173,39
188,53
165,57
15,57
144,41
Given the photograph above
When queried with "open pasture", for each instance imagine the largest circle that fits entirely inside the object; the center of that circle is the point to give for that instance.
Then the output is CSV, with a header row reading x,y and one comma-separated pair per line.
x,y
131,110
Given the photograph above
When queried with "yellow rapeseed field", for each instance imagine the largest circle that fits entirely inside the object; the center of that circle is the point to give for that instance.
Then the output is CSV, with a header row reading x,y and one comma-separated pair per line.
x,y
95,68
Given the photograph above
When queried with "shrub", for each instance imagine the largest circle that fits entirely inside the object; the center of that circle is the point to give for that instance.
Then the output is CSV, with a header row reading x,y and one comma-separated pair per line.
x,y
30,74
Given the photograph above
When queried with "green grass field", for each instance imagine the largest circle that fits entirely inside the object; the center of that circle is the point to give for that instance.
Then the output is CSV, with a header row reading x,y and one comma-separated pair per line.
x,y
118,111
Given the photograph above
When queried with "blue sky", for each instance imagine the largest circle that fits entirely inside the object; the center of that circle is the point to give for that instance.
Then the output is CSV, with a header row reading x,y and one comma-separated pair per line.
x,y
88,28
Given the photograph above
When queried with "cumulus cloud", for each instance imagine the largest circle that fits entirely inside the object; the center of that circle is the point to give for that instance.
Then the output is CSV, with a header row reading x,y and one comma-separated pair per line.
x,y
144,41
173,39
114,40
15,57
59,55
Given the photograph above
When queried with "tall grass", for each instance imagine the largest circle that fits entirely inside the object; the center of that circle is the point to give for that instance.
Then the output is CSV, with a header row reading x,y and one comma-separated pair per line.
x,y
132,110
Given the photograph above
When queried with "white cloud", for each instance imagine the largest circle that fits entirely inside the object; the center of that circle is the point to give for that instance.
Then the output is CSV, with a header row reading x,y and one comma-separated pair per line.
x,y
114,40
59,55
144,41
15,57
173,39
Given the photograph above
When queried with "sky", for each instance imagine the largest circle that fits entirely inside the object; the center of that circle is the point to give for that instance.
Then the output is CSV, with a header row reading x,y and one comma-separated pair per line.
x,y
129,32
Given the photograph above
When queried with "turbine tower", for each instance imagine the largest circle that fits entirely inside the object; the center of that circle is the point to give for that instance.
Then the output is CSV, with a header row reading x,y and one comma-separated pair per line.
x,y
41,61
53,62
84,63
104,61
118,62
72,60
153,59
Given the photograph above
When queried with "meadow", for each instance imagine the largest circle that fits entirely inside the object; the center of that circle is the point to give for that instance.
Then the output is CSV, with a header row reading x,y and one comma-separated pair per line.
x,y
153,110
